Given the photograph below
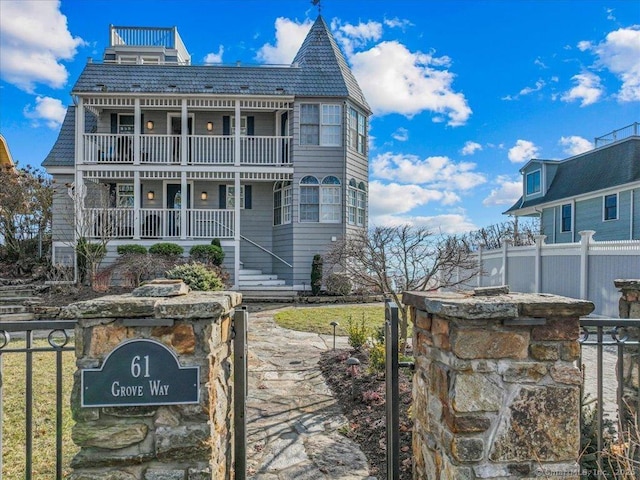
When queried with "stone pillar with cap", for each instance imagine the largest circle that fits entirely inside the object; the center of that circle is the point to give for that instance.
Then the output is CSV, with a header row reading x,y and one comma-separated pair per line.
x,y
496,387
135,417
629,307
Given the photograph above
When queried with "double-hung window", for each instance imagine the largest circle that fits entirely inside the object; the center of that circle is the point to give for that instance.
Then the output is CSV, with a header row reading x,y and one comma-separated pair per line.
x,y
124,195
282,196
309,199
321,124
231,197
356,203
357,131
610,206
533,182
566,218
330,202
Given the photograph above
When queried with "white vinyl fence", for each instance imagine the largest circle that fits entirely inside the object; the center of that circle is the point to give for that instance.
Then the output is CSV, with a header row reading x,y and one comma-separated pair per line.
x,y
584,270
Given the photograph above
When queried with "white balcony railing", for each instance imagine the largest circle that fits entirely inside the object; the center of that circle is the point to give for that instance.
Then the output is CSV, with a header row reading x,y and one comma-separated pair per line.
x,y
158,223
202,149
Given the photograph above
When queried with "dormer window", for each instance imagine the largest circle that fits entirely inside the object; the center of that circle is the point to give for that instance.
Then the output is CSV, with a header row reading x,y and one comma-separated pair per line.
x,y
533,182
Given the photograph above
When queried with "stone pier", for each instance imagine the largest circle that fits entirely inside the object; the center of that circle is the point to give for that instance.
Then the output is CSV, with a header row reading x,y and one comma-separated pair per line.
x,y
629,307
144,439
496,388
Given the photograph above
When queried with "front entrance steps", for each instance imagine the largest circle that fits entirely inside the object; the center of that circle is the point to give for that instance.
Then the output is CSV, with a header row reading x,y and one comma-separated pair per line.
x,y
15,301
256,286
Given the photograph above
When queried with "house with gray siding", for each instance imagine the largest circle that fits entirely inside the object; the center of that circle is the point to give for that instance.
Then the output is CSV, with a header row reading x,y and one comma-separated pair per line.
x,y
271,160
596,190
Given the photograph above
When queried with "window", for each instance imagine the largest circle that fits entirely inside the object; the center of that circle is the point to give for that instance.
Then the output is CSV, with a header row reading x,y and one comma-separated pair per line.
x,y
231,197
331,123
309,199
320,124
124,195
362,204
611,207
126,123
357,131
330,201
243,125
356,203
566,218
309,124
282,196
533,182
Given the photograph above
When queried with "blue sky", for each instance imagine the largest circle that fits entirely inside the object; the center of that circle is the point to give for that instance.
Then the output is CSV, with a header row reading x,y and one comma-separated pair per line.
x,y
463,92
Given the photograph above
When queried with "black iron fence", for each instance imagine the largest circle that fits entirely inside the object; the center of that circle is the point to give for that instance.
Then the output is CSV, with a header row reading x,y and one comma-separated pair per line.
x,y
617,367
29,339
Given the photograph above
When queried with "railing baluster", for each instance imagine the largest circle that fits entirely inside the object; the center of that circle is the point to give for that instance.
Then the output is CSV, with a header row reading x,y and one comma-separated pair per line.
x,y
58,413
28,441
599,402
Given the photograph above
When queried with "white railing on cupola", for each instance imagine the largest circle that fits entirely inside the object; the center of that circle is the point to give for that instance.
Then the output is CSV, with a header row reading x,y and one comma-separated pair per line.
x,y
165,37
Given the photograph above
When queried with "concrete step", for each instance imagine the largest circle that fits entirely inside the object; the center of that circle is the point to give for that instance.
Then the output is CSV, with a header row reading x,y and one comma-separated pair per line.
x,y
18,300
248,278
244,272
260,283
16,317
16,292
8,309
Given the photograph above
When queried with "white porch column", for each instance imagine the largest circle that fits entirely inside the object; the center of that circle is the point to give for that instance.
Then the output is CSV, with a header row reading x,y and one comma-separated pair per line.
x,y
137,128
80,132
585,240
236,231
137,201
236,137
184,138
538,262
183,205
78,197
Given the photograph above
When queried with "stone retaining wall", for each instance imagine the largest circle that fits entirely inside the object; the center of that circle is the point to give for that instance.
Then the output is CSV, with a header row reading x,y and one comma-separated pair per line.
x,y
167,442
629,307
496,389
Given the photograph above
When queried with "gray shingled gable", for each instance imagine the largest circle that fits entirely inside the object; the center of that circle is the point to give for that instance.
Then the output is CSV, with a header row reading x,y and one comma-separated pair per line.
x,y
63,151
605,167
319,70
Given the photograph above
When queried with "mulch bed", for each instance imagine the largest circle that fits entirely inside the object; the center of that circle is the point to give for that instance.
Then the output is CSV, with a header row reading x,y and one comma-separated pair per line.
x,y
366,412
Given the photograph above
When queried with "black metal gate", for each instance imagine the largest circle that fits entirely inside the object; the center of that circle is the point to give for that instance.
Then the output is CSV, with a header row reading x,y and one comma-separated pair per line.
x,y
240,321
19,338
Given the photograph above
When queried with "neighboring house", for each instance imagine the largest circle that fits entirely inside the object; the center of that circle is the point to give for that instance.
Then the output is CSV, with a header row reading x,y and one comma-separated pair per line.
x,y
6,160
597,190
271,160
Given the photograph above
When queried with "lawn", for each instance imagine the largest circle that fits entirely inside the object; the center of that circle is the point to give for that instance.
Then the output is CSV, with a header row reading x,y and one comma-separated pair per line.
x,y
44,414
318,319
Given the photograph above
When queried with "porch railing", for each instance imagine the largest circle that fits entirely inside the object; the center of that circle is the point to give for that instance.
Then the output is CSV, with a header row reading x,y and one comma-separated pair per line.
x,y
159,223
202,149
609,338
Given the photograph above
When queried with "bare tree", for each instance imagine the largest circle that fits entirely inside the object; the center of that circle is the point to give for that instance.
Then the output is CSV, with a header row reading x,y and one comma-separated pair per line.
x,y
521,232
93,224
391,260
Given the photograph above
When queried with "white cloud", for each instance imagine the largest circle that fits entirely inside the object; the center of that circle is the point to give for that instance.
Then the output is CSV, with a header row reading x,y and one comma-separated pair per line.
x,y
394,198
527,90
620,53
507,191
588,89
355,36
34,39
396,80
397,23
470,148
401,134
522,151
289,37
48,109
575,145
584,45
539,63
448,224
214,57
436,172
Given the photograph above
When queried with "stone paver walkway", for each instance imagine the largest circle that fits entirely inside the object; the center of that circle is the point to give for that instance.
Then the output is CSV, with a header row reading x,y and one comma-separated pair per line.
x,y
292,417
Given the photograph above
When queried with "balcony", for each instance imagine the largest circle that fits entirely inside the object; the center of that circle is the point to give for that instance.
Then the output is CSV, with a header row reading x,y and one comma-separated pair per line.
x,y
156,37
101,148
158,223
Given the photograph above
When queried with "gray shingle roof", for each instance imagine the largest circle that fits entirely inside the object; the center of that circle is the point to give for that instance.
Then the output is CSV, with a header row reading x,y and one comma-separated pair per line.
x,y
605,167
321,71
62,152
